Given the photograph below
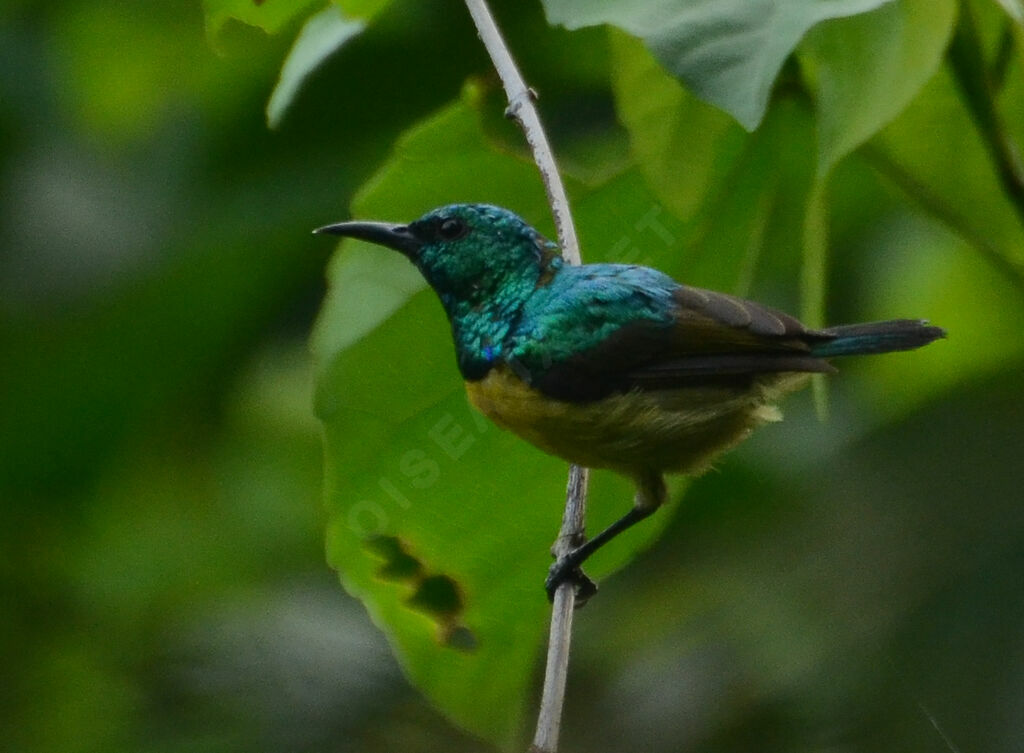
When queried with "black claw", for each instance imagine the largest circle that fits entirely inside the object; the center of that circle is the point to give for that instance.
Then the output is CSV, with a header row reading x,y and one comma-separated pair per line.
x,y
565,570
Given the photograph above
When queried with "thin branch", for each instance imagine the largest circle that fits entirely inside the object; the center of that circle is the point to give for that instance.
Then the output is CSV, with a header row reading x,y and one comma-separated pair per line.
x,y
556,670
521,108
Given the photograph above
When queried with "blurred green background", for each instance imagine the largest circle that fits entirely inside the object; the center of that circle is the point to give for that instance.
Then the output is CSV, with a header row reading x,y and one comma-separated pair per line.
x,y
853,585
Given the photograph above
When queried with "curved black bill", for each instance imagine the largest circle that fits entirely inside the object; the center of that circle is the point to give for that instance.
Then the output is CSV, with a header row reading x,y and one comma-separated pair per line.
x,y
387,234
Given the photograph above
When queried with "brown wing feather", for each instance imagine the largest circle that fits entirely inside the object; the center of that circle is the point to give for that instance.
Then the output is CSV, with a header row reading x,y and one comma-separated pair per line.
x,y
765,327
716,339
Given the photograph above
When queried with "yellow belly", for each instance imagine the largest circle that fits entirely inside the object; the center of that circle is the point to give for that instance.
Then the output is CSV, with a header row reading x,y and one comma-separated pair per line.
x,y
678,431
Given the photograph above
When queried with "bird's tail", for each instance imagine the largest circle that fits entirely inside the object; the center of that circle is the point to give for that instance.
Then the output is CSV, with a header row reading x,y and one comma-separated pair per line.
x,y
876,337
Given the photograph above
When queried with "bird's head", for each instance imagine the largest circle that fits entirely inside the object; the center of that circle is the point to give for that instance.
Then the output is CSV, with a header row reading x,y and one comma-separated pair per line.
x,y
469,253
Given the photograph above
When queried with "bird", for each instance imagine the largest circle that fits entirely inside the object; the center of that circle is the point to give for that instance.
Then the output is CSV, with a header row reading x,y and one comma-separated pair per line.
x,y
607,365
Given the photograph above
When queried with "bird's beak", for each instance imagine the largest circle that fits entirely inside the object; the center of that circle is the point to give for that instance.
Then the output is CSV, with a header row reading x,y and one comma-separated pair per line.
x,y
387,234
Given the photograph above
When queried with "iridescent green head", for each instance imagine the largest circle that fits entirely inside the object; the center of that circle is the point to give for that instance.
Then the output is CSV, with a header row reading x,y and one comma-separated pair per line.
x,y
469,253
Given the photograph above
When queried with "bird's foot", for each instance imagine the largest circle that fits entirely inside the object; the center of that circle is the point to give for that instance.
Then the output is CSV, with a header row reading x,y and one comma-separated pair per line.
x,y
565,570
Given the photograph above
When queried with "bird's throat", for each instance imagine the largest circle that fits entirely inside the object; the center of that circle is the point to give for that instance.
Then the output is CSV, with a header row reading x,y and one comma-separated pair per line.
x,y
483,318
480,335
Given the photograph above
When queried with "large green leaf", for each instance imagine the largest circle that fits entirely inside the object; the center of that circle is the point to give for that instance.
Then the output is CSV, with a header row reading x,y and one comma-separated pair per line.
x,y
974,292
322,35
949,174
1014,9
727,53
683,145
867,68
737,193
438,521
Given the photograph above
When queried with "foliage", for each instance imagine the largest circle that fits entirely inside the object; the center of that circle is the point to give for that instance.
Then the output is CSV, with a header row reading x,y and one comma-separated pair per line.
x,y
729,54
851,584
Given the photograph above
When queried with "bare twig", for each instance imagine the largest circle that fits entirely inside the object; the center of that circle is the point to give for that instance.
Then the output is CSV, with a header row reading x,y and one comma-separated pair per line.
x,y
549,717
523,111
521,108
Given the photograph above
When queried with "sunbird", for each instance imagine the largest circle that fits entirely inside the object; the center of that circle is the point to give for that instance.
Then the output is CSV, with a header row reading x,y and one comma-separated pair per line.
x,y
612,365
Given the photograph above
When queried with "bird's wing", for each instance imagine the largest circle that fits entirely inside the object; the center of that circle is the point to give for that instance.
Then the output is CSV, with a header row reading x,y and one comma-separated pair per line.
x,y
703,338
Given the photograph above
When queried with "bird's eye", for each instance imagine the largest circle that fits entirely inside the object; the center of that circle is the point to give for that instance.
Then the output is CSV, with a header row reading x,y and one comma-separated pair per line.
x,y
451,229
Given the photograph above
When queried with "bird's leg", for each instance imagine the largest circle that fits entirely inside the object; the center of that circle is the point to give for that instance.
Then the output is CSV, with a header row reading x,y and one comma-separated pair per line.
x,y
649,497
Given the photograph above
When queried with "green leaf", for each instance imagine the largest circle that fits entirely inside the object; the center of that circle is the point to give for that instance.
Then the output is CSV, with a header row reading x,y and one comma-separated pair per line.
x,y
867,68
438,521
322,35
727,53
682,144
363,9
269,15
737,193
1014,9
950,174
